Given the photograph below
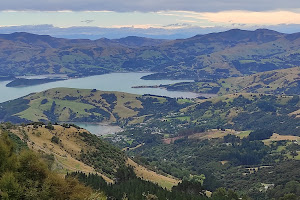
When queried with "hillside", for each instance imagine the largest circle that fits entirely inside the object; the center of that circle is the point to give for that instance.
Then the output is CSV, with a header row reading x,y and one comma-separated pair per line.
x,y
284,81
64,104
218,142
71,147
75,149
215,55
26,175
229,159
56,167
243,141
241,111
83,105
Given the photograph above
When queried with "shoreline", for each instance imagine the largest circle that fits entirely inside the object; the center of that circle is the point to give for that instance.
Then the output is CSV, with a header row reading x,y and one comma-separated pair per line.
x,y
206,95
67,76
63,77
99,82
98,128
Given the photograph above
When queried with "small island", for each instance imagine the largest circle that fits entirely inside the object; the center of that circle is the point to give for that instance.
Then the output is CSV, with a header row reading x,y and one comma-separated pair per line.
x,y
149,86
22,82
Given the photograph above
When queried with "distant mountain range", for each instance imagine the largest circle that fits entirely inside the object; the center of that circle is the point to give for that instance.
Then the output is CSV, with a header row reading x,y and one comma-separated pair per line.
x,y
217,55
171,31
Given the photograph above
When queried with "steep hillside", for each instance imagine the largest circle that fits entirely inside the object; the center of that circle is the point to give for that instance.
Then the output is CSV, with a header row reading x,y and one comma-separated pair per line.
x,y
215,55
74,149
26,175
71,148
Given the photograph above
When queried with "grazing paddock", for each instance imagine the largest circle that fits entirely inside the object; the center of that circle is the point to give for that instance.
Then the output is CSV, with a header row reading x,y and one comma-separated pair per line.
x,y
277,137
215,133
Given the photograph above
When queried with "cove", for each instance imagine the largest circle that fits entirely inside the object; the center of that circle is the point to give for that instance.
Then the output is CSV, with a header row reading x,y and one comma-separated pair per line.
x,y
122,82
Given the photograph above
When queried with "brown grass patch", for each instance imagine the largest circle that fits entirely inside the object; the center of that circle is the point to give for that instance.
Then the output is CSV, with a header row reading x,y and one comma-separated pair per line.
x,y
213,133
296,113
164,181
277,137
66,153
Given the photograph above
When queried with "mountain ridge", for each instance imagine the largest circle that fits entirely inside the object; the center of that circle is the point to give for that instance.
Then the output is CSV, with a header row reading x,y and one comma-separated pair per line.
x,y
216,55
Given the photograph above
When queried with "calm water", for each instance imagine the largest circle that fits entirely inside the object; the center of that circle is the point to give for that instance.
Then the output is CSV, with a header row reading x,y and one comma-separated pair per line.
x,y
99,129
108,82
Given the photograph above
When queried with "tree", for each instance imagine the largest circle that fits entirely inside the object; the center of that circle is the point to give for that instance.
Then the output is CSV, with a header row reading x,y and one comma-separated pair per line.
x,y
289,197
190,187
223,194
125,173
150,196
55,139
260,134
10,187
49,126
26,176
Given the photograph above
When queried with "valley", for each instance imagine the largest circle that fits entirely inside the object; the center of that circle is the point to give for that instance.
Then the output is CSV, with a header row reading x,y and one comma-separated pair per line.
x,y
207,117
181,137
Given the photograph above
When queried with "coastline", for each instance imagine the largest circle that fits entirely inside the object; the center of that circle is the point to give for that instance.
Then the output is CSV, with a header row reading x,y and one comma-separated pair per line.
x,y
104,82
98,128
206,95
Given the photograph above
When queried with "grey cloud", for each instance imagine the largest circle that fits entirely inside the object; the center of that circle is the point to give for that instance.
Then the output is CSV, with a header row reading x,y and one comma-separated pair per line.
x,y
178,25
88,21
147,5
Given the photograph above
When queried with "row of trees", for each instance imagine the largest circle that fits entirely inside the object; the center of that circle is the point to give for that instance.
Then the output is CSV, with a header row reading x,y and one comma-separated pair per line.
x,y
130,187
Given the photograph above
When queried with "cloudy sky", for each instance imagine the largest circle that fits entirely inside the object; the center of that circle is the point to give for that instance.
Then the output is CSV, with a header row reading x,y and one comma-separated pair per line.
x,y
150,17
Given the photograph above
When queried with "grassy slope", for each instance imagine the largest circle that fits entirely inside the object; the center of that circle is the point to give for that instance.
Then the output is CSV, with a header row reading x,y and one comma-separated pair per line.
x,y
66,154
231,113
79,106
214,133
285,81
164,181
83,105
273,82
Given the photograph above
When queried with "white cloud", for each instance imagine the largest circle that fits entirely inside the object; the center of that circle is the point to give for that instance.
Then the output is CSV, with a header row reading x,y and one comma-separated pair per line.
x,y
259,18
188,21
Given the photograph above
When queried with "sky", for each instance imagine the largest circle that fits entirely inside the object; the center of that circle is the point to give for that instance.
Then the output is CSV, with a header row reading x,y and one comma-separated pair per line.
x,y
153,18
